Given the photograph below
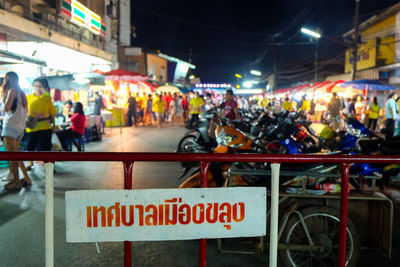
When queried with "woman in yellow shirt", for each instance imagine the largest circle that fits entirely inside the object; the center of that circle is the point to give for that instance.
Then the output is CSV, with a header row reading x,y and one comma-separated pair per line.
x,y
40,106
159,109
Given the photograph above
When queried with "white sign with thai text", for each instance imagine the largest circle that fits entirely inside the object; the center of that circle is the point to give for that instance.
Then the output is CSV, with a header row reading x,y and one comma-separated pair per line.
x,y
165,214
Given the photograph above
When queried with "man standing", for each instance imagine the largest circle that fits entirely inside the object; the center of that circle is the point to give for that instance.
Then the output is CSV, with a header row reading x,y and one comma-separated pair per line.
x,y
305,104
132,105
195,106
230,106
185,107
287,105
98,104
390,114
334,108
263,102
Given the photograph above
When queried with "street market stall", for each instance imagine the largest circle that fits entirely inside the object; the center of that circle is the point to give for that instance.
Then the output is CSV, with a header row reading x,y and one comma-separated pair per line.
x,y
123,83
366,88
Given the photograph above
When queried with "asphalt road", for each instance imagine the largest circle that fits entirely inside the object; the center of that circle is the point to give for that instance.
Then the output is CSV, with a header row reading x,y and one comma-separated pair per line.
x,y
22,213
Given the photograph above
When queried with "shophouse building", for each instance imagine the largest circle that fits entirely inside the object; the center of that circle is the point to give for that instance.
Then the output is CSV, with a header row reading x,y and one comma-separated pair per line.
x,y
378,54
62,38
160,67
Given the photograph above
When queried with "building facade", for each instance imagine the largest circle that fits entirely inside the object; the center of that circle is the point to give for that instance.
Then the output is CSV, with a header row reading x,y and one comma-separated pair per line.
x,y
160,67
58,37
378,55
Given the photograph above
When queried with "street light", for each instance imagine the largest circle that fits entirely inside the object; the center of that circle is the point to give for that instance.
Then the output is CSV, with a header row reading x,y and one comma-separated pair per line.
x,y
316,35
191,77
238,76
247,84
255,72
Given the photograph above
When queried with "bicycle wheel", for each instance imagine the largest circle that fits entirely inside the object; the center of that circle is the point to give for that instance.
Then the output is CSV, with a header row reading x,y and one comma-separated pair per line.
x,y
323,226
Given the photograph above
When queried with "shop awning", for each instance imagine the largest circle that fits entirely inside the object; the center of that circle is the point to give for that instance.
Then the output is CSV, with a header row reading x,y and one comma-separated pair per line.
x,y
60,82
5,57
58,57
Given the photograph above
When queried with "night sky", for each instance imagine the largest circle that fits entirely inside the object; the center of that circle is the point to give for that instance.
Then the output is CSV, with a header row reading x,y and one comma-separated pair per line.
x,y
229,36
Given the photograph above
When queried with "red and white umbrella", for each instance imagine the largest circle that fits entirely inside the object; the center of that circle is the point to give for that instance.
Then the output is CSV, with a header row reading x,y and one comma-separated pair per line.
x,y
125,75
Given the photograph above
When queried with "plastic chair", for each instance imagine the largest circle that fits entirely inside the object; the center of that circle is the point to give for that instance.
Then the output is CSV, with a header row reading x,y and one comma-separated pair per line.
x,y
78,140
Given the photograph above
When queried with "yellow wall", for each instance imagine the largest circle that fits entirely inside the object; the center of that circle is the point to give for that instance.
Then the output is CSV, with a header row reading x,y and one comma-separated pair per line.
x,y
368,55
386,50
160,65
380,27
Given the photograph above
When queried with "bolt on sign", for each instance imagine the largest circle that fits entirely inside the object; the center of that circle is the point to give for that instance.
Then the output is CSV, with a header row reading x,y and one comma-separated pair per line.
x,y
165,214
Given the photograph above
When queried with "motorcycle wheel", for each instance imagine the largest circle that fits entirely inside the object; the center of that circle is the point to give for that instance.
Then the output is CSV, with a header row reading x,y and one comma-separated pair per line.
x,y
186,144
323,226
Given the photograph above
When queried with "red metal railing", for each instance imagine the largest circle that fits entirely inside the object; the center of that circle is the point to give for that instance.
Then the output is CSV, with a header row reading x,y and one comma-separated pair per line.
x,y
128,160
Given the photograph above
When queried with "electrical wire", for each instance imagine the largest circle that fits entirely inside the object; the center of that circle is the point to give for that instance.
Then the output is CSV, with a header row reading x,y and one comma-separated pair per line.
x,y
265,47
197,23
225,43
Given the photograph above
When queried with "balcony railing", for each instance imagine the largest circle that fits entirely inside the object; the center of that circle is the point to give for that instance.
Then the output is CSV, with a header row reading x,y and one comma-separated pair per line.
x,y
51,20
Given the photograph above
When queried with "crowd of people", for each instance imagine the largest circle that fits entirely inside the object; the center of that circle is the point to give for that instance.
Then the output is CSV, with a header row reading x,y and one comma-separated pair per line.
x,y
32,119
334,110
180,108
176,108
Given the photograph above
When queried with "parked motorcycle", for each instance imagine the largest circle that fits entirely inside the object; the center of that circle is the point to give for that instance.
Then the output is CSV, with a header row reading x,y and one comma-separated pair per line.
x,y
308,231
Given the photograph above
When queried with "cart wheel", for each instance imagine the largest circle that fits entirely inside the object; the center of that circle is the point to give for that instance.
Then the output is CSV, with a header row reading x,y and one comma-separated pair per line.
x,y
323,226
186,144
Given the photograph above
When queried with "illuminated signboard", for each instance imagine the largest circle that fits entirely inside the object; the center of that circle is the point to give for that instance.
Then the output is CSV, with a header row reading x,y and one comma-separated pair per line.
x,y
213,85
82,16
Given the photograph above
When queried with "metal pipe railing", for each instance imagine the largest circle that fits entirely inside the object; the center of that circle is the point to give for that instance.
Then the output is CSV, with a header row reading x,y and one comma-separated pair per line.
x,y
128,160
128,169
190,157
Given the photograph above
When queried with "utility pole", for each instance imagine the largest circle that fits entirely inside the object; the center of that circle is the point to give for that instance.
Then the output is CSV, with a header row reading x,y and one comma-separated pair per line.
x,y
316,61
129,246
118,6
355,44
275,66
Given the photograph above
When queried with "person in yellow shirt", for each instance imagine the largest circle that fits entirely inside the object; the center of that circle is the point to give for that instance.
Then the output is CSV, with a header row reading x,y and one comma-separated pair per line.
x,y
305,105
141,104
195,106
373,114
159,108
41,108
287,105
263,102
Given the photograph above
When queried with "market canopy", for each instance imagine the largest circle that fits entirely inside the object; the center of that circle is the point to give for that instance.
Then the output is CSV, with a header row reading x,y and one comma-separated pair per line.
x,y
328,86
368,85
148,85
125,75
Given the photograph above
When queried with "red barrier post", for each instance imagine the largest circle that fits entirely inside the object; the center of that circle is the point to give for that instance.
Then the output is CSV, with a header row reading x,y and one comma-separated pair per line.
x,y
128,168
344,194
203,242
